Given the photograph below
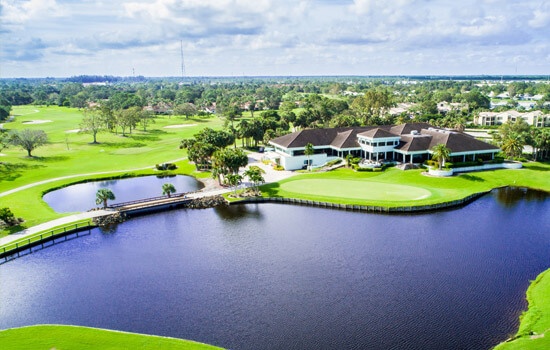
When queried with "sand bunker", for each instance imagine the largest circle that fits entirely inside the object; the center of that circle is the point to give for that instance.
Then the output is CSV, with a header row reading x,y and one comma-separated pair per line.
x,y
72,131
179,126
40,121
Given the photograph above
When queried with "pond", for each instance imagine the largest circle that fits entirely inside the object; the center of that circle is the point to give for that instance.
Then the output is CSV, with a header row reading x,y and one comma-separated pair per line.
x,y
81,197
273,276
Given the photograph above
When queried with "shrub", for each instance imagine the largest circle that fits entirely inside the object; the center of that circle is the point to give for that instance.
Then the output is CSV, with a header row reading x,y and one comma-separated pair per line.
x,y
7,217
278,167
166,166
334,162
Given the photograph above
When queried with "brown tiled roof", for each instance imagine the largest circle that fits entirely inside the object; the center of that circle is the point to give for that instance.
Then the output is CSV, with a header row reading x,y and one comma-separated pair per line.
x,y
407,128
427,137
411,143
337,137
377,133
458,142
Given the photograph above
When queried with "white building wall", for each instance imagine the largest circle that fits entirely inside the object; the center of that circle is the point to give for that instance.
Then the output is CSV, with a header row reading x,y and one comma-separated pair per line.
x,y
298,162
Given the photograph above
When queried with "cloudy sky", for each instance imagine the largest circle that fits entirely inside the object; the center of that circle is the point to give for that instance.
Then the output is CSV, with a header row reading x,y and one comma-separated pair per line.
x,y
60,38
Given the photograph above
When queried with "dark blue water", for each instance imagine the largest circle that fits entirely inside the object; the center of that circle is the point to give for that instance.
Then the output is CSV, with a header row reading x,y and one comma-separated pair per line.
x,y
81,197
290,277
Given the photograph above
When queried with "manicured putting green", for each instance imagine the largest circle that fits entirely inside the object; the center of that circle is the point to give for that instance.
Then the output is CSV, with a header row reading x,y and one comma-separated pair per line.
x,y
367,190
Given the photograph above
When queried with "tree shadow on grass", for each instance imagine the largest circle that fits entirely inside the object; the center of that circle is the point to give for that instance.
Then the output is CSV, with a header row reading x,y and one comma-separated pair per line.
x,y
200,120
123,144
537,168
157,131
472,178
271,189
51,159
144,138
11,171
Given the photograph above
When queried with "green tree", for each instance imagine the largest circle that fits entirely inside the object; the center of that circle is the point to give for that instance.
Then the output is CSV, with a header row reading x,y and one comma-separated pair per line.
x,y
103,195
146,118
234,180
5,108
5,139
512,146
309,151
227,161
168,189
441,153
186,109
254,174
92,122
29,139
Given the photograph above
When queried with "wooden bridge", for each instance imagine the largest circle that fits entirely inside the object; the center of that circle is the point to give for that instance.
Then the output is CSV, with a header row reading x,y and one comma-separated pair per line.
x,y
177,200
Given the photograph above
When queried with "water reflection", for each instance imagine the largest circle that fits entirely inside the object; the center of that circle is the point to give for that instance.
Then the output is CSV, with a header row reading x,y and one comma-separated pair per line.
x,y
239,212
274,276
81,197
512,196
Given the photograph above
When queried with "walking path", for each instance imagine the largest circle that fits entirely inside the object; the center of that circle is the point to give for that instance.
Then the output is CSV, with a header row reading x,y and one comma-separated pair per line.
x,y
211,188
54,223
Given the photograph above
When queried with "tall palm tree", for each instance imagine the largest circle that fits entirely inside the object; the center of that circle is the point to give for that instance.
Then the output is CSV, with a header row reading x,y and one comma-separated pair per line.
x,y
309,151
103,195
441,153
168,189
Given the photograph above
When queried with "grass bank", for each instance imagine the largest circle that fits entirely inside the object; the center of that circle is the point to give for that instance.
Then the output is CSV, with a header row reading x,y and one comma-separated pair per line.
x,y
397,188
83,338
534,328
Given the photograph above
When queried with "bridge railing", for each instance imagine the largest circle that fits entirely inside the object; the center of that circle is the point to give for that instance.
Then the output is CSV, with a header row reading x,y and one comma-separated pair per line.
x,y
145,200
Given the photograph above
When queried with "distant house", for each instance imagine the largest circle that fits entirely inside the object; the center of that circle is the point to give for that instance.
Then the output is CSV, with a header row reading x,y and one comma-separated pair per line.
x,y
534,118
406,143
445,107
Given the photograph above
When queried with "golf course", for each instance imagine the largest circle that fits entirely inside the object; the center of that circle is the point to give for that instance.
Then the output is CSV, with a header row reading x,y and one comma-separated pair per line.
x,y
70,157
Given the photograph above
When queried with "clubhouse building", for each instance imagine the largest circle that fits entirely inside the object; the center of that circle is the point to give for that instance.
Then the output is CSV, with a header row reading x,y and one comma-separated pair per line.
x,y
404,143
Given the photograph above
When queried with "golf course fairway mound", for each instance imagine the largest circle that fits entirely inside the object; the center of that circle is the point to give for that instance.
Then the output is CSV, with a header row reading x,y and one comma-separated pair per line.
x,y
356,190
83,338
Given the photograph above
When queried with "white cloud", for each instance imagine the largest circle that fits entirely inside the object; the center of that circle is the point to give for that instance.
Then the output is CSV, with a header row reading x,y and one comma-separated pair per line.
x,y
273,37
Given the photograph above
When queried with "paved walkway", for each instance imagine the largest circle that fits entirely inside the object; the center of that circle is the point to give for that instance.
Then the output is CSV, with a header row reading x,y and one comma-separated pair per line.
x,y
54,223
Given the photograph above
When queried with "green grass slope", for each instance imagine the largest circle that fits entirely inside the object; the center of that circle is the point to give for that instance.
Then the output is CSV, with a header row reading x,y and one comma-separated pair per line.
x,y
83,338
534,329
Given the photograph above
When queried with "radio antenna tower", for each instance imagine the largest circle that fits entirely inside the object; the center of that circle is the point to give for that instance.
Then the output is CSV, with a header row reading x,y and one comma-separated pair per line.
x,y
182,61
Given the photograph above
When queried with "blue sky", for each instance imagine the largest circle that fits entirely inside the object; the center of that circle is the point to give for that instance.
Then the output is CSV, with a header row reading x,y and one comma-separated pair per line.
x,y
60,38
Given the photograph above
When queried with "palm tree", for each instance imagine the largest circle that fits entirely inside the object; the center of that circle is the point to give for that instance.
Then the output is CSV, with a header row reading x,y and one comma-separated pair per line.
x,y
513,145
168,189
308,151
234,180
103,195
441,153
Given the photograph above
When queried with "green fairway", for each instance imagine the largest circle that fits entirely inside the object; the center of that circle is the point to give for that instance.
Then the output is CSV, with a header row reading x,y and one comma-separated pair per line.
x,y
83,338
70,153
356,190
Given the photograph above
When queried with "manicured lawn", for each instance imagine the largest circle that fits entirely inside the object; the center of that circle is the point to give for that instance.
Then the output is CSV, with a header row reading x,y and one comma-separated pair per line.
x,y
69,153
534,329
384,189
83,338
356,190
